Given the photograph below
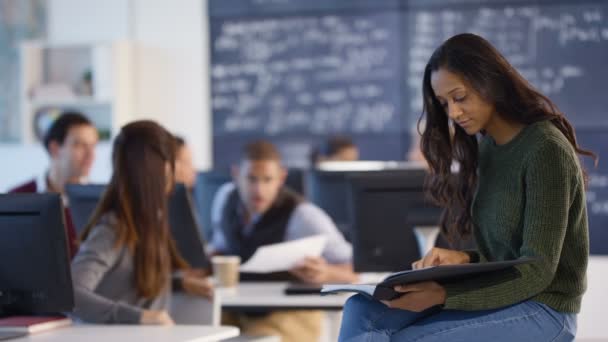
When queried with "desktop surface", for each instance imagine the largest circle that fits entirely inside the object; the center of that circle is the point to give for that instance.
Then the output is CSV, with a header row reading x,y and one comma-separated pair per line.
x,y
99,333
266,296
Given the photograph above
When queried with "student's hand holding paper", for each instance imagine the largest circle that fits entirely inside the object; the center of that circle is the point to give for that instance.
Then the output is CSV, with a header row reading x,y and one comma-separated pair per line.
x,y
314,270
418,297
441,256
284,256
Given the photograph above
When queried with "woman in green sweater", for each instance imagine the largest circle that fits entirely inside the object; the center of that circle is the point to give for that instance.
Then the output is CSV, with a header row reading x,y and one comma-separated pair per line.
x,y
519,191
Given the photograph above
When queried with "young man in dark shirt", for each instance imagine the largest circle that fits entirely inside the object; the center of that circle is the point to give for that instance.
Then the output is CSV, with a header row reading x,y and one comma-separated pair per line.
x,y
70,143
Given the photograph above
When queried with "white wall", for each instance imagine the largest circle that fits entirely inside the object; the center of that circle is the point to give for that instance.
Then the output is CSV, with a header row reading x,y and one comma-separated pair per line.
x,y
171,81
22,163
171,57
88,21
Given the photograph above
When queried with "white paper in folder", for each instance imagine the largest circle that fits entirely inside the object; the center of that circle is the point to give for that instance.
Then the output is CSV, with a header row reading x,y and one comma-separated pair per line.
x,y
285,255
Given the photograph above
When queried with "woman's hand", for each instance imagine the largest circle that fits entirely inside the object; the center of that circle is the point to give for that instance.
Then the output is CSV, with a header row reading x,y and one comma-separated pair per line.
x,y
441,256
198,286
156,317
418,297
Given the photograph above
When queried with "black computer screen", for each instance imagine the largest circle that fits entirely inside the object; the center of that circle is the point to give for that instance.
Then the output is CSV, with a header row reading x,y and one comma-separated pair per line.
x,y
207,185
329,191
185,228
182,218
386,207
295,180
34,260
83,201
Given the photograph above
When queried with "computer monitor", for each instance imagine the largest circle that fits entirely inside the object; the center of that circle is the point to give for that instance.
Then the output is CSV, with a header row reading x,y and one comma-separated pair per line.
x,y
185,228
386,207
182,218
329,191
295,180
35,273
207,185
83,200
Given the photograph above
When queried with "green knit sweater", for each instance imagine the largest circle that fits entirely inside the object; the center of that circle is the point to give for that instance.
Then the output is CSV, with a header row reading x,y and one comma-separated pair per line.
x,y
530,202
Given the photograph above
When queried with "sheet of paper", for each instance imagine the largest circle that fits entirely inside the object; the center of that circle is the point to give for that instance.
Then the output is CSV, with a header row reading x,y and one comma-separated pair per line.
x,y
284,256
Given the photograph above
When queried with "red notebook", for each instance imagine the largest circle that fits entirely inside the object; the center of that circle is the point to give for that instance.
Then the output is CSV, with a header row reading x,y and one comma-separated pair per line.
x,y
33,324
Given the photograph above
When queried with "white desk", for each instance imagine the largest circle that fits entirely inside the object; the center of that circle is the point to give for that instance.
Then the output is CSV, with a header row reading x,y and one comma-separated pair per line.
x,y
261,296
133,333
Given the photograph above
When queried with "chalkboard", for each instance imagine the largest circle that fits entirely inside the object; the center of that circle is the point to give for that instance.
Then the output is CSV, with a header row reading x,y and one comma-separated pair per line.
x,y
297,71
560,47
300,75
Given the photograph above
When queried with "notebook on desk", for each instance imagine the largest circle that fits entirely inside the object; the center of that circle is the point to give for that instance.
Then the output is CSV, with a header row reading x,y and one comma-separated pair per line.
x,y
32,324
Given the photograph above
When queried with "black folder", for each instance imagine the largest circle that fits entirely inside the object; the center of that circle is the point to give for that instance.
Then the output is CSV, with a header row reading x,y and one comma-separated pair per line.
x,y
441,274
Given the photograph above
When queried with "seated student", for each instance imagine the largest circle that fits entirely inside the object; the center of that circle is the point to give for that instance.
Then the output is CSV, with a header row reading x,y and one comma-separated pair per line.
x,y
123,270
185,172
258,210
336,148
70,143
520,191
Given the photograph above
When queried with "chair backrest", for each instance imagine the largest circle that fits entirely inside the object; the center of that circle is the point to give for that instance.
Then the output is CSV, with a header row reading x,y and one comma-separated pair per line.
x,y
190,309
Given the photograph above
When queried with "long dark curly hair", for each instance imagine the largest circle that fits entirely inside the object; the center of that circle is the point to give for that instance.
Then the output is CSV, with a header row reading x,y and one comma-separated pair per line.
x,y
497,82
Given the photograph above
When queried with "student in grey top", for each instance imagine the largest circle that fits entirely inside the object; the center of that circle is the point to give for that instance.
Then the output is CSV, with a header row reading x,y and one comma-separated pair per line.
x,y
257,209
123,270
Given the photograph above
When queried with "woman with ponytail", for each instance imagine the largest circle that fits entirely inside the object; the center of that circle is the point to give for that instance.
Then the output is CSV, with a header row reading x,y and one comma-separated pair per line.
x,y
123,270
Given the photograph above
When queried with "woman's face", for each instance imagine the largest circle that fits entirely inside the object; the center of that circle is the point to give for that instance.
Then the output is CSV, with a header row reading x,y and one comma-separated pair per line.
x,y
461,102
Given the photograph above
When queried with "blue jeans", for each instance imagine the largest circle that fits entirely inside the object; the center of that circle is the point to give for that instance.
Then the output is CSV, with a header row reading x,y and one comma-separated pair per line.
x,y
366,319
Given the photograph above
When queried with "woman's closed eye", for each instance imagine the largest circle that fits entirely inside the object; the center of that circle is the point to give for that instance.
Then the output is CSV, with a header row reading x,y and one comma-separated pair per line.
x,y
460,99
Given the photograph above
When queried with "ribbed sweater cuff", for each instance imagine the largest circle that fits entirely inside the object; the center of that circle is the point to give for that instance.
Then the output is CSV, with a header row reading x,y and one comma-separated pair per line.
x,y
128,314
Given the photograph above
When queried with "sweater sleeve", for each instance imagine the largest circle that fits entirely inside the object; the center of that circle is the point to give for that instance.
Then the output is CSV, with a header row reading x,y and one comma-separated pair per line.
x,y
97,255
550,182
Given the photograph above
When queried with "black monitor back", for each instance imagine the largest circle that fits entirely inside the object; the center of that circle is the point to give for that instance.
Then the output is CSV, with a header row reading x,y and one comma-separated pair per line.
x,y
295,180
329,191
35,273
182,219
207,185
185,228
386,207
83,201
